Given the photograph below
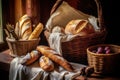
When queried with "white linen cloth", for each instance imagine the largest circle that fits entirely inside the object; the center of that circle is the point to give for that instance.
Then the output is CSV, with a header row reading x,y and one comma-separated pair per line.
x,y
34,72
56,38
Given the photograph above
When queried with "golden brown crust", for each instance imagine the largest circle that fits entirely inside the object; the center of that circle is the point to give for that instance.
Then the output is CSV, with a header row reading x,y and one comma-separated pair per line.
x,y
79,26
36,32
34,55
46,64
50,53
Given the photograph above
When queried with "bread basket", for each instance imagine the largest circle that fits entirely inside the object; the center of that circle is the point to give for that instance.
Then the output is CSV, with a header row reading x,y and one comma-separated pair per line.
x,y
75,50
104,63
21,47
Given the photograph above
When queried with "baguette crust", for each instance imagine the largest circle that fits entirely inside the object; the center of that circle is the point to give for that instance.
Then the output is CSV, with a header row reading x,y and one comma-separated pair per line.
x,y
26,30
31,57
53,55
36,32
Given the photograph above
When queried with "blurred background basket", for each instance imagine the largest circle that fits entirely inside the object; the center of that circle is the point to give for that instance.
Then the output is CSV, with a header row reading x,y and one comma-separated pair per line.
x,y
21,47
104,63
75,50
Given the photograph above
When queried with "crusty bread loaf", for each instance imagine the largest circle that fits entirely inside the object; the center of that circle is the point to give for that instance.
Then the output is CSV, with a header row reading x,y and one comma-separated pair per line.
x,y
30,57
36,32
23,21
26,30
79,26
46,64
53,55
23,27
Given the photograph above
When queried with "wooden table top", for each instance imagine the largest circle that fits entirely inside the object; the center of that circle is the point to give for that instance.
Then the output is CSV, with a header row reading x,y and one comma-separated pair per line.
x,y
5,60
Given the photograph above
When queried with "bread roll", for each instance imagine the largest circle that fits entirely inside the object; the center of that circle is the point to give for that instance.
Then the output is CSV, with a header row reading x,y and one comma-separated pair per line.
x,y
46,64
54,56
79,26
36,32
31,57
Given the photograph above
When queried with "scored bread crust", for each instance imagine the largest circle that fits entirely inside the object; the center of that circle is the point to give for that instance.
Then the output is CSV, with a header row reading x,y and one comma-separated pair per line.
x,y
26,30
24,24
79,26
46,64
53,55
36,32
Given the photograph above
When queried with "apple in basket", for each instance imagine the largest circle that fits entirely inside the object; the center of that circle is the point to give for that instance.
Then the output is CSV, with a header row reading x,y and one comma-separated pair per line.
x,y
103,50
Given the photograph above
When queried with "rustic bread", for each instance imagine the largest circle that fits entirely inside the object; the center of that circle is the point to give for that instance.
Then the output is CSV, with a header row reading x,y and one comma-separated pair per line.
x,y
54,56
79,26
46,64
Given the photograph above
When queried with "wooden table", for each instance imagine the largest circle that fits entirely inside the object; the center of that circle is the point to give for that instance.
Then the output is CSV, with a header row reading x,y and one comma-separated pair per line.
x,y
5,60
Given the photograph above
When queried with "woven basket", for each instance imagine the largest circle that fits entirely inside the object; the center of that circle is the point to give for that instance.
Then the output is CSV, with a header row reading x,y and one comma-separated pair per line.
x,y
104,63
75,50
21,47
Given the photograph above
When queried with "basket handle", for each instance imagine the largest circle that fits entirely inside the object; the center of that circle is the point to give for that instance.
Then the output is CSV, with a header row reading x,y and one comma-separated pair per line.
x,y
99,11
55,6
100,15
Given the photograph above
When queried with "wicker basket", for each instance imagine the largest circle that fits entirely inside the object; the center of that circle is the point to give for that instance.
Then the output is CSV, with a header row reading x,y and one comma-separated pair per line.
x,y
75,50
21,47
104,63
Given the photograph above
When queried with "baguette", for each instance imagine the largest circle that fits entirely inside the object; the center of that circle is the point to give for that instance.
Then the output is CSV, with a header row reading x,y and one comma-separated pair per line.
x,y
23,21
30,57
53,55
26,30
36,32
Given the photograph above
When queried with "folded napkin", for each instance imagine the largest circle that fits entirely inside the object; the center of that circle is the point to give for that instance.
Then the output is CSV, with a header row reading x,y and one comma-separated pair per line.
x,y
34,72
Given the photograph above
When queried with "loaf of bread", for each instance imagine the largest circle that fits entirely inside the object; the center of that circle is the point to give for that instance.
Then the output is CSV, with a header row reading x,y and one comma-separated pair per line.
x,y
35,34
23,27
26,30
46,64
54,56
79,26
30,57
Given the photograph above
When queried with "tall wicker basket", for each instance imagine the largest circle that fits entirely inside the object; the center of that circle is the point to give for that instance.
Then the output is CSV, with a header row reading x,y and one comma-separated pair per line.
x,y
21,47
75,50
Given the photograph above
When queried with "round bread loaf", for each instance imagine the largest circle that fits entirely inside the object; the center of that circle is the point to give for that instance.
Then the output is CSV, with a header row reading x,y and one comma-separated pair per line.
x,y
79,26
46,64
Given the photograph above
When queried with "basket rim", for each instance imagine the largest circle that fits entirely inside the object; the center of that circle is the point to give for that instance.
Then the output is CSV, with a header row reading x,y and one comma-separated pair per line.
x,y
12,40
89,52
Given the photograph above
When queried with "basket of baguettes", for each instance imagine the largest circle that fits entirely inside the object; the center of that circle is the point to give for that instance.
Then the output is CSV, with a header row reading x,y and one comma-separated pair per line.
x,y
23,37
74,22
104,58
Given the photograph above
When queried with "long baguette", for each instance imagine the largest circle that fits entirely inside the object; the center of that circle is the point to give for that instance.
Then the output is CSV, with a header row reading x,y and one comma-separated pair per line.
x,y
36,32
50,53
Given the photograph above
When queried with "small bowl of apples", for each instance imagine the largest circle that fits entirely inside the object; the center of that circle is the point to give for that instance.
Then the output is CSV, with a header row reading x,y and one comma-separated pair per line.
x,y
104,58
